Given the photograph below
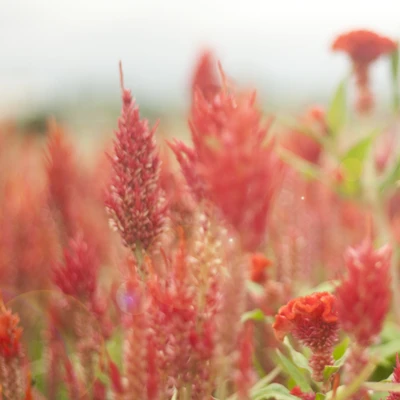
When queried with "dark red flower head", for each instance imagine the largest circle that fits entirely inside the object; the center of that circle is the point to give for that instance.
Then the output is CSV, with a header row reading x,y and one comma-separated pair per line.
x,y
363,298
311,319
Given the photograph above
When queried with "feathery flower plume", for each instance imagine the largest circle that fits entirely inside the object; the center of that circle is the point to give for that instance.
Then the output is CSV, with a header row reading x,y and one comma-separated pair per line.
x,y
134,199
363,47
231,163
365,291
313,321
11,355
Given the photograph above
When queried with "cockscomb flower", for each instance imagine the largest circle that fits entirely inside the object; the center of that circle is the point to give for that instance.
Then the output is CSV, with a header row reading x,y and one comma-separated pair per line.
x,y
363,47
365,291
134,199
296,391
395,379
77,274
10,333
232,164
258,268
313,321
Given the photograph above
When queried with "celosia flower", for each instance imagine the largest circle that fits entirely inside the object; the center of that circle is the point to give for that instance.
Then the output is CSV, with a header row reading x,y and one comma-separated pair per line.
x,y
258,268
231,164
77,274
134,198
396,379
363,47
365,291
205,77
313,321
10,333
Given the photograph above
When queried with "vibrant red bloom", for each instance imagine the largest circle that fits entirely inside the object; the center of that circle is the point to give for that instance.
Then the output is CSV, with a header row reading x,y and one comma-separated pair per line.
x,y
296,391
363,47
259,265
135,200
231,163
396,379
311,319
77,275
10,333
205,78
365,292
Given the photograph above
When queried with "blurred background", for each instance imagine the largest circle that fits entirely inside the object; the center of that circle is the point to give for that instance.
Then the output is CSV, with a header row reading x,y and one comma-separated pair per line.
x,y
61,57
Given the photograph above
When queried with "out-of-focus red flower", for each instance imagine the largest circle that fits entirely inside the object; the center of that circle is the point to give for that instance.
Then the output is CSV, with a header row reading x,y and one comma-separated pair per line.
x,y
396,379
135,200
205,78
258,268
363,298
303,145
232,164
313,321
363,47
77,275
296,391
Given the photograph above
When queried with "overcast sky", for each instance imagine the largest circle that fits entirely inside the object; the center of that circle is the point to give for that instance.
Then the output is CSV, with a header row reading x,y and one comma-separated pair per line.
x,y
52,48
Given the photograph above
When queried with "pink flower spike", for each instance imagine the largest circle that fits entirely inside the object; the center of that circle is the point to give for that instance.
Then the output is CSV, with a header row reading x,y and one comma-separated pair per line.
x,y
134,199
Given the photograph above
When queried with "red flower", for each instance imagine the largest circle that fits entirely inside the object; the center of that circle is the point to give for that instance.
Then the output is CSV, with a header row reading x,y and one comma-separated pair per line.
x,y
296,391
77,276
363,298
10,333
231,163
205,78
259,265
313,321
364,47
135,200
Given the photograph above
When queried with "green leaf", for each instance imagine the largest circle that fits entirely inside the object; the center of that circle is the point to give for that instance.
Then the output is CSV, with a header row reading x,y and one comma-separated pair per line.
x,y
340,349
329,370
274,391
336,115
360,149
254,315
394,61
387,350
299,359
319,396
390,331
392,177
293,371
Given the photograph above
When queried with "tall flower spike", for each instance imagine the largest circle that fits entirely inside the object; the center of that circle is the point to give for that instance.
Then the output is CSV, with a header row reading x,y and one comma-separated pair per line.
x,y
232,164
365,291
363,47
134,199
313,321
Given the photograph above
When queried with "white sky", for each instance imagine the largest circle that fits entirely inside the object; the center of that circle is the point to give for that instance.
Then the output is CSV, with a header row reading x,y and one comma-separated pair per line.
x,y
49,48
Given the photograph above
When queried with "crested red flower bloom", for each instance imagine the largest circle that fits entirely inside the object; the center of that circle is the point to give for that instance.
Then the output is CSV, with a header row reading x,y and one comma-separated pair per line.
x,y
77,275
205,78
395,379
232,164
365,291
363,47
135,200
313,321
